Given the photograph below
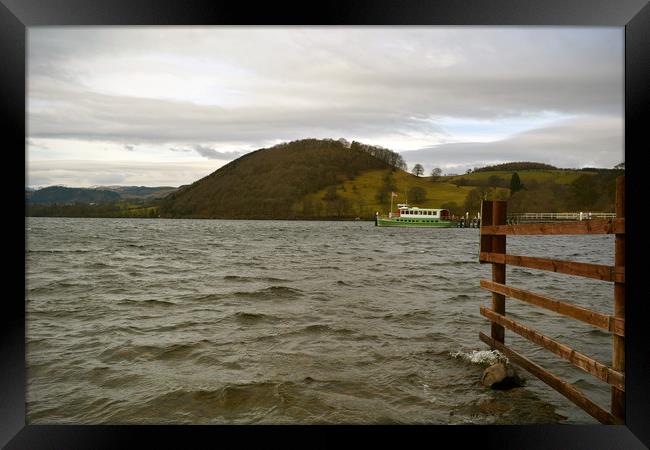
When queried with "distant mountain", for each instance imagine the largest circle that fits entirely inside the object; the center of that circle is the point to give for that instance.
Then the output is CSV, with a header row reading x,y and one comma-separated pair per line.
x,y
127,192
61,194
519,165
101,194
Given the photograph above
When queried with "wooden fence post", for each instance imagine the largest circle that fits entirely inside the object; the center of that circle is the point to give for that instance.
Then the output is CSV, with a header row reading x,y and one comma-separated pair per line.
x,y
618,342
499,215
486,220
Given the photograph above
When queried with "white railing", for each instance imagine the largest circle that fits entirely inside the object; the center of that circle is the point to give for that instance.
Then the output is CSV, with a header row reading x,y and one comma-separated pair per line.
x,y
551,217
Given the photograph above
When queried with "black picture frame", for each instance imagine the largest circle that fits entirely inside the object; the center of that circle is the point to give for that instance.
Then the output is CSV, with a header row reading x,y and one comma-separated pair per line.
x,y
17,15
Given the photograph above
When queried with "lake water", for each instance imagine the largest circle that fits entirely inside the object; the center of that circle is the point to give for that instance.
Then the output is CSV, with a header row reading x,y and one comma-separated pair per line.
x,y
221,322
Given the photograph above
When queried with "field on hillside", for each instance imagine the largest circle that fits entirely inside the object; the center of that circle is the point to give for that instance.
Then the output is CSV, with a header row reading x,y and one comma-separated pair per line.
x,y
558,176
359,195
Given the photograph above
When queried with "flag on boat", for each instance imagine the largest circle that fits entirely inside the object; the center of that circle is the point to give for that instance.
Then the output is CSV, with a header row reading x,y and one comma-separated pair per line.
x,y
393,194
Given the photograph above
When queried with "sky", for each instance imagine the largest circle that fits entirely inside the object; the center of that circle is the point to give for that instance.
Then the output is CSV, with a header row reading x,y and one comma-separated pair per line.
x,y
166,106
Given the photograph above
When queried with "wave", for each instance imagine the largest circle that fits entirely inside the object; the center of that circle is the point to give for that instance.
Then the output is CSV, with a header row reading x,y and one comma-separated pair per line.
x,y
273,292
60,251
418,315
144,303
151,352
319,328
249,318
483,357
244,279
250,401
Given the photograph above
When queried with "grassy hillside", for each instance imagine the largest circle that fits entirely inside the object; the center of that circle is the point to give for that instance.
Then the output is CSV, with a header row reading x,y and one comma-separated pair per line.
x,y
358,197
545,190
265,184
327,179
557,176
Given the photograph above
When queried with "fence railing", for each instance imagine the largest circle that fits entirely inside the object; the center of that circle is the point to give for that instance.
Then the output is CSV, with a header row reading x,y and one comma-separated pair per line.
x,y
494,230
515,218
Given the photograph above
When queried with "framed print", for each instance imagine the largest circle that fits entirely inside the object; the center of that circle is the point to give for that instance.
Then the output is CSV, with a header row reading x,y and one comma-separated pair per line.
x,y
270,223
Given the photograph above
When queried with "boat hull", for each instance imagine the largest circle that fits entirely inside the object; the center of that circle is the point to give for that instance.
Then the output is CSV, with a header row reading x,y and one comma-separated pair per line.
x,y
416,223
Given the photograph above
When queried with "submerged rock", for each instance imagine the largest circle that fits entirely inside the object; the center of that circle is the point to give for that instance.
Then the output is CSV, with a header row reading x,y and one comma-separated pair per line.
x,y
501,376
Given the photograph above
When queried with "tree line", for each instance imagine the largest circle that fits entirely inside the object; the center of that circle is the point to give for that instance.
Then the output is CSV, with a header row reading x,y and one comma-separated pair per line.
x,y
103,210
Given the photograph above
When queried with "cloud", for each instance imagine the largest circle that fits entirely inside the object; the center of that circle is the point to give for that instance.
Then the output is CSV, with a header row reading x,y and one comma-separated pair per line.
x,y
211,153
136,173
260,84
204,91
584,142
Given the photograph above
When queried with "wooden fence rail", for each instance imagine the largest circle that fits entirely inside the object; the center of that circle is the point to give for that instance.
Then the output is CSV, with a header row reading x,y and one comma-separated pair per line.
x,y
551,217
493,250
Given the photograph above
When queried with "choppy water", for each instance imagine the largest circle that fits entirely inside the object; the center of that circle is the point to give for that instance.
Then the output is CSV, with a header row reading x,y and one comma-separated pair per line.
x,y
217,321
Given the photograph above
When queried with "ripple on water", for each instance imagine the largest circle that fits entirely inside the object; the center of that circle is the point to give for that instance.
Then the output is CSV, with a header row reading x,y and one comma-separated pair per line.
x,y
202,321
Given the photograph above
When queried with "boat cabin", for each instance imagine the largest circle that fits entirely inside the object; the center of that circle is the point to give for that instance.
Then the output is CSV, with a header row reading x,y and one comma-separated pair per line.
x,y
403,210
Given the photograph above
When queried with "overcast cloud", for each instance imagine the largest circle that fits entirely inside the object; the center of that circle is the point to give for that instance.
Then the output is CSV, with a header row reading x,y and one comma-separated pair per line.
x,y
138,98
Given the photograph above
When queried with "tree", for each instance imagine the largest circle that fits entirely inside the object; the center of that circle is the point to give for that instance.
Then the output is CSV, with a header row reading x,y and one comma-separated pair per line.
x,y
417,170
331,194
417,194
515,183
436,173
388,186
496,181
473,200
620,166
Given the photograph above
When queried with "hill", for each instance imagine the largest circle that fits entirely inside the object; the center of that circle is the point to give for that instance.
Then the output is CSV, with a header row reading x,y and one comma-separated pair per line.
x,y
327,179
267,183
545,190
61,194
502,177
519,165
370,192
140,192
101,194
108,201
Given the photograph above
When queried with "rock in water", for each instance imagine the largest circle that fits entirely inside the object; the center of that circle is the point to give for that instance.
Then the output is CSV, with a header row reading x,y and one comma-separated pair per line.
x,y
501,376
494,374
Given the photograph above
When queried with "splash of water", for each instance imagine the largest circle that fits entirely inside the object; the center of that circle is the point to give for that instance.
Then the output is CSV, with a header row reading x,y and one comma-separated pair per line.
x,y
485,357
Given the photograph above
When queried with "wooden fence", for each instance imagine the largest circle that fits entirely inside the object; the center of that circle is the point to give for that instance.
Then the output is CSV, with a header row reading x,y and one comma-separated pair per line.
x,y
516,218
493,250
